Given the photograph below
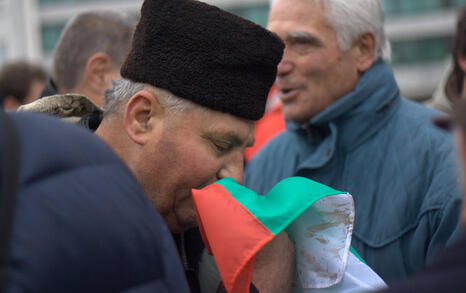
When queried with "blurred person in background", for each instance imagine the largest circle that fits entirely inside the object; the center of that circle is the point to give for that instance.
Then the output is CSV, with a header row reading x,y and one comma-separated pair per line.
x,y
451,87
21,82
349,128
445,273
89,54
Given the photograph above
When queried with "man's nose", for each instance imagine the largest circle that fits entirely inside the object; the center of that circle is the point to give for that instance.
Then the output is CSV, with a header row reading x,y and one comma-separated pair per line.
x,y
286,65
233,167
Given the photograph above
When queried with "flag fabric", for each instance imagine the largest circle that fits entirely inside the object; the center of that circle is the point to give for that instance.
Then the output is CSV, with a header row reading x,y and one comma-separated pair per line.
x,y
236,223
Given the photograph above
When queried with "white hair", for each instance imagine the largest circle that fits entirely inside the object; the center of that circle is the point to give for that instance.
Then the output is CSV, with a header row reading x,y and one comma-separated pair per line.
x,y
123,89
352,18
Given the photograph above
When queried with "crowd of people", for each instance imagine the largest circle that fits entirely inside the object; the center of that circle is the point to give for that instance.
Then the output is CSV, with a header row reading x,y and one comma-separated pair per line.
x,y
170,103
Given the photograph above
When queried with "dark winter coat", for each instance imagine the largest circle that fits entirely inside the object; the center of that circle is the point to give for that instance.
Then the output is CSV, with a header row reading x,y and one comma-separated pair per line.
x,y
82,222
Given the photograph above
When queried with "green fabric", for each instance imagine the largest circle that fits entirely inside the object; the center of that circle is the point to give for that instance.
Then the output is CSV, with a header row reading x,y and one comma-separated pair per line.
x,y
356,254
283,204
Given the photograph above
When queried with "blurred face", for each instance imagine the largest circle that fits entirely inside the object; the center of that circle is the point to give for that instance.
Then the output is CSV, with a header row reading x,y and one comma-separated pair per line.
x,y
461,146
314,72
462,64
460,136
194,148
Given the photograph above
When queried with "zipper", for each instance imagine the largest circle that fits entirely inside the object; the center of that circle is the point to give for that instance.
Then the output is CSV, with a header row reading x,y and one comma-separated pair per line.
x,y
184,256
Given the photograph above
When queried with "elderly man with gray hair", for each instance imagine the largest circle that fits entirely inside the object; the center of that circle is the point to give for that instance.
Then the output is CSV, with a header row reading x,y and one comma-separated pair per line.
x,y
349,128
89,54
194,81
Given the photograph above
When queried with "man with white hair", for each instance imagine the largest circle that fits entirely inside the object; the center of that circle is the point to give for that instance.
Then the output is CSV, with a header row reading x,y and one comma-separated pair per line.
x,y
349,128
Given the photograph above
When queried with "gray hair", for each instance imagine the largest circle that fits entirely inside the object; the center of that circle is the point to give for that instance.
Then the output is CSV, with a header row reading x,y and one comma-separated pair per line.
x,y
351,18
123,89
88,33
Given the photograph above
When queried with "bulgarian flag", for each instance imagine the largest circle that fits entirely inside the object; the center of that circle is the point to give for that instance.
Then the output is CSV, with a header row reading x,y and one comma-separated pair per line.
x,y
235,223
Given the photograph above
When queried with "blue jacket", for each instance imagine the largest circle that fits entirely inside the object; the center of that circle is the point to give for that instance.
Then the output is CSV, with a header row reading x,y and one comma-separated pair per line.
x,y
82,222
384,150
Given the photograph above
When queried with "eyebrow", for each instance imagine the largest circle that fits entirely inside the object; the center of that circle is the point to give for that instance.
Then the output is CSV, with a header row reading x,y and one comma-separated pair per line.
x,y
304,36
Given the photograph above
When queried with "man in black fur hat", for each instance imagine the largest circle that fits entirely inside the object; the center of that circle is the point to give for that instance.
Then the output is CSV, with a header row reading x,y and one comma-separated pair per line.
x,y
195,80
193,83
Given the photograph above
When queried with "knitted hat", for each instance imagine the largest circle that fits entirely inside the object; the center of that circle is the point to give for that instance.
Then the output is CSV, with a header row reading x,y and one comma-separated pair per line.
x,y
204,54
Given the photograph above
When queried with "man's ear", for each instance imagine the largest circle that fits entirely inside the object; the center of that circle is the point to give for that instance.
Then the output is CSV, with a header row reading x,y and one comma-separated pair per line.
x,y
143,116
461,146
461,150
96,72
363,51
462,62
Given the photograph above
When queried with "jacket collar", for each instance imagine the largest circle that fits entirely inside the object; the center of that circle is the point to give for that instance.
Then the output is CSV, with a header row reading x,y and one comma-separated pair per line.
x,y
354,117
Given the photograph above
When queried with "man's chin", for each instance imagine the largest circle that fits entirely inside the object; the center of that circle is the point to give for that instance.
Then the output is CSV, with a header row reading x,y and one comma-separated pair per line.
x,y
296,114
291,116
177,225
177,229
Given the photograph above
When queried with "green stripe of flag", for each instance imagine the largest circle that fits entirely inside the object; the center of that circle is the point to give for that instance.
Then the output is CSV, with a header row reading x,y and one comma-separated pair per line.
x,y
283,204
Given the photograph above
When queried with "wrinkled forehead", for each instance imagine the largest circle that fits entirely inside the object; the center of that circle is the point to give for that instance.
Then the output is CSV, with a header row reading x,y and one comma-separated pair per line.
x,y
294,20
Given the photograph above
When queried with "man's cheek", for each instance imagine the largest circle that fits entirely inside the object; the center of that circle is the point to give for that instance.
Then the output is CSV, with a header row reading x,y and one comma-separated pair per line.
x,y
203,171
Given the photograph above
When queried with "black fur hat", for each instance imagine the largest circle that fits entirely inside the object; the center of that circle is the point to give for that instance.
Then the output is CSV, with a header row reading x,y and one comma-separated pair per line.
x,y
204,54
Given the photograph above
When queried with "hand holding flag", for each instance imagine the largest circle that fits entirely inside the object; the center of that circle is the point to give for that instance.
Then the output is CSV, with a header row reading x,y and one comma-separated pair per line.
x,y
318,219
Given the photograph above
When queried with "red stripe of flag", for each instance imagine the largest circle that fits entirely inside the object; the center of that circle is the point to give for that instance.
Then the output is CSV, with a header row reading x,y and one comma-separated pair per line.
x,y
235,263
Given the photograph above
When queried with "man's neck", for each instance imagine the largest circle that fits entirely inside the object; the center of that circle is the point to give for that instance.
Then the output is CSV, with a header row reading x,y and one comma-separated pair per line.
x,y
111,130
